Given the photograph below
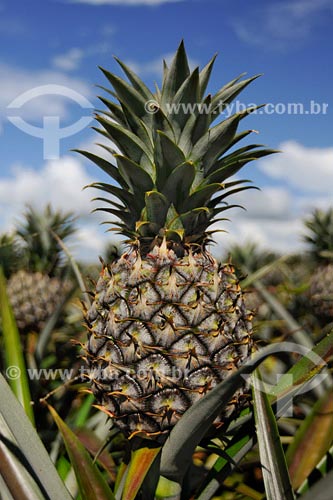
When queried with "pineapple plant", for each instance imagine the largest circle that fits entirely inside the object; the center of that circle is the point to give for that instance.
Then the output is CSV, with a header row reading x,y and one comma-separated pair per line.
x,y
10,253
36,286
248,259
167,322
164,292
320,240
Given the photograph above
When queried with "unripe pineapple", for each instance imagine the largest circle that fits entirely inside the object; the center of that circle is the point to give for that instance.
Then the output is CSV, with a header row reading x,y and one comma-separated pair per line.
x,y
34,297
321,291
37,287
167,322
320,238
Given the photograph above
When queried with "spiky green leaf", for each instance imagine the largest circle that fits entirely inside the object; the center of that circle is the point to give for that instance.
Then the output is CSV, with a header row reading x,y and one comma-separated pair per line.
x,y
91,482
106,166
176,74
167,157
200,197
312,440
129,144
135,176
188,432
178,185
14,359
186,99
141,461
214,142
137,83
30,445
205,75
157,206
272,458
229,92
127,94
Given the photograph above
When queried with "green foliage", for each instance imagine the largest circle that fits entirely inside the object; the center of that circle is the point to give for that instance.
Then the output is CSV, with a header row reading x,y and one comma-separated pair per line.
x,y
272,458
144,469
312,440
320,235
90,480
14,359
36,235
32,454
249,258
10,254
230,446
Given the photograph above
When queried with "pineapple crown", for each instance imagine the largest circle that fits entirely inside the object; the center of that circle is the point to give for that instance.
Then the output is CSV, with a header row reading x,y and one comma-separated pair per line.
x,y
10,254
250,257
37,233
320,236
172,167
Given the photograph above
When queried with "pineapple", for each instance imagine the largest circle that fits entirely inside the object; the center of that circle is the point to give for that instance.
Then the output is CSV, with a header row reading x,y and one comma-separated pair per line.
x,y
321,292
34,297
320,238
167,322
36,287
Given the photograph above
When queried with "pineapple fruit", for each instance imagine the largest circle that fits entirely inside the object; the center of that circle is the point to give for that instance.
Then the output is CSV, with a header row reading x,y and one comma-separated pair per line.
x,y
320,239
34,297
167,322
36,288
321,292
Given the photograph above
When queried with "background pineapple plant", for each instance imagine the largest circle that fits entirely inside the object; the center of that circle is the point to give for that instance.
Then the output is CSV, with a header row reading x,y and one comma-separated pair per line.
x,y
248,259
36,287
320,240
167,322
10,254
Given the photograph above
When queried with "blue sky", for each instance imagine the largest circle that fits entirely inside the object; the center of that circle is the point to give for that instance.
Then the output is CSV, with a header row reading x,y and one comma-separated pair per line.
x,y
61,42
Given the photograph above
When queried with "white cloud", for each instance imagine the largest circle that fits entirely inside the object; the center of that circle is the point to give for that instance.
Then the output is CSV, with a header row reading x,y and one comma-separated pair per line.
x,y
89,243
279,235
72,59
282,23
14,81
308,169
274,216
301,180
125,2
270,220
59,183
269,203
68,61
